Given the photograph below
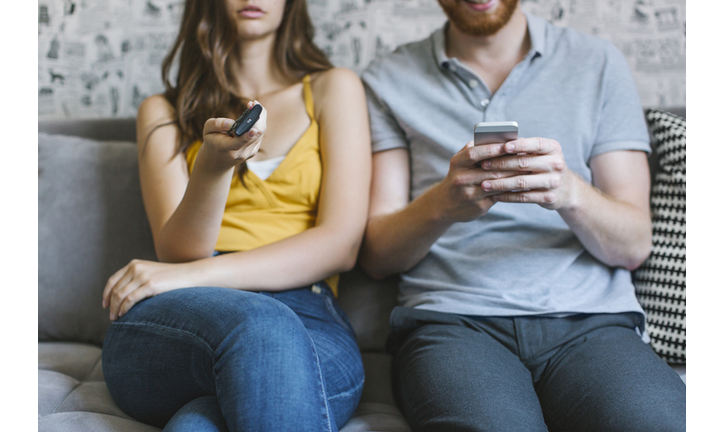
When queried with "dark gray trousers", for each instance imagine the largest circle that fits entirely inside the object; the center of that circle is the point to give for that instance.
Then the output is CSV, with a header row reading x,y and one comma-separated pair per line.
x,y
578,373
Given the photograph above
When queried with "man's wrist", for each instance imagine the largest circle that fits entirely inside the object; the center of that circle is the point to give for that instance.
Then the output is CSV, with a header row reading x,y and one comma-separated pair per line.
x,y
435,204
575,192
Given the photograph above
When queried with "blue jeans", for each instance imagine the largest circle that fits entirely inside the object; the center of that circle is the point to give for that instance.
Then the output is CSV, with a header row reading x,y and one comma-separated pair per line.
x,y
579,373
217,359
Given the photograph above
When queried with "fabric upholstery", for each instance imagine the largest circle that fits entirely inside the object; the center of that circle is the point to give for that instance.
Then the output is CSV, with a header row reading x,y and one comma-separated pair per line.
x,y
91,222
90,422
368,304
661,281
72,395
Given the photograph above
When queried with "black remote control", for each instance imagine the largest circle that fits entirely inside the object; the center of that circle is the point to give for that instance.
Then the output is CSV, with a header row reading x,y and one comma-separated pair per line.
x,y
244,123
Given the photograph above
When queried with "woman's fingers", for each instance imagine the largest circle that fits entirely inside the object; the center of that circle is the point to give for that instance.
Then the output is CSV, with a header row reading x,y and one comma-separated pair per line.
x,y
218,125
119,294
121,277
133,297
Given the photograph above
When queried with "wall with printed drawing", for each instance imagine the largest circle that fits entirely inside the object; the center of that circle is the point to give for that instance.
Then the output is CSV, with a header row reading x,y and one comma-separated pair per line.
x,y
101,58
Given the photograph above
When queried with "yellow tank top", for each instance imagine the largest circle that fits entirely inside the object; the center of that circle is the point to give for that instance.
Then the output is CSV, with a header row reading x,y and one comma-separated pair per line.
x,y
285,204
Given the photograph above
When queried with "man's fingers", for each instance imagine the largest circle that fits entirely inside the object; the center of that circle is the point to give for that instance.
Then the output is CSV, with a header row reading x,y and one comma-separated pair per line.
x,y
525,162
534,145
475,177
471,155
544,198
521,183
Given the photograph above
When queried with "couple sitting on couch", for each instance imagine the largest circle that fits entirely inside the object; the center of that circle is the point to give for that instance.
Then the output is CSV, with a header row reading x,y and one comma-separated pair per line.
x,y
518,310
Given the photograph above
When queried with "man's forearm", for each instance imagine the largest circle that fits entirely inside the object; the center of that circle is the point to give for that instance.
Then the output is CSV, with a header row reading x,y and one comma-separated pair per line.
x,y
397,241
616,232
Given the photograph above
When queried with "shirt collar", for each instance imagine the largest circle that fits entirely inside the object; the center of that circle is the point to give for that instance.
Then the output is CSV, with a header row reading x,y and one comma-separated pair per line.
x,y
536,29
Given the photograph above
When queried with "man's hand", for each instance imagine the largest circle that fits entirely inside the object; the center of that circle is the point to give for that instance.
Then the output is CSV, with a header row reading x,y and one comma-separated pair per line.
x,y
461,193
540,174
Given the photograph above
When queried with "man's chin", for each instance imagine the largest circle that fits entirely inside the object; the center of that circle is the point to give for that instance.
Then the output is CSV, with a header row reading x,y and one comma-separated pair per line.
x,y
479,17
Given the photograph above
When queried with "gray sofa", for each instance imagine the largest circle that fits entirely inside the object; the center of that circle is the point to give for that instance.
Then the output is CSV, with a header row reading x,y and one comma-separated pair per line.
x,y
91,222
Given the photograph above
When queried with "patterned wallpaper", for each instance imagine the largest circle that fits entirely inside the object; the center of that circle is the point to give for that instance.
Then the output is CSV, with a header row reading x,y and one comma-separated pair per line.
x,y
101,58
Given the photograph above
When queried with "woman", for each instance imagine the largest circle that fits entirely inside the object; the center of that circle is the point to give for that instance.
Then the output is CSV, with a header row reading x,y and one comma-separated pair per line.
x,y
258,226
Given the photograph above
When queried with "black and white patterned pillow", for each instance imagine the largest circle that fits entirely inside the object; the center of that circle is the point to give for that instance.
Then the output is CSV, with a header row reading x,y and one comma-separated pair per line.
x,y
661,281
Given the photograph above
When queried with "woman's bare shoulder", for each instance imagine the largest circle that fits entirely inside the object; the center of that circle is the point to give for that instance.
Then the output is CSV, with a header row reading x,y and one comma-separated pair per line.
x,y
335,86
154,108
334,78
154,112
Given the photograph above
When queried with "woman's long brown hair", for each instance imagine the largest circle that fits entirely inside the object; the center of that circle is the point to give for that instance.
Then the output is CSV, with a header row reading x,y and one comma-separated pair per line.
x,y
204,44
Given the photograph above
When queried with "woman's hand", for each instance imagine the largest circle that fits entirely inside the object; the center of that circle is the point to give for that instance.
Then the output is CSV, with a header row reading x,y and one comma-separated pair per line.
x,y
142,279
230,150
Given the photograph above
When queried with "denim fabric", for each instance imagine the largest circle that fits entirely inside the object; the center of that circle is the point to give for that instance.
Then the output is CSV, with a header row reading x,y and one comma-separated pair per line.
x,y
579,373
270,361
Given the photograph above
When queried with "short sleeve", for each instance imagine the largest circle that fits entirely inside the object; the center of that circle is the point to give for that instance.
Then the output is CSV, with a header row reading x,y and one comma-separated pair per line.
x,y
621,125
385,130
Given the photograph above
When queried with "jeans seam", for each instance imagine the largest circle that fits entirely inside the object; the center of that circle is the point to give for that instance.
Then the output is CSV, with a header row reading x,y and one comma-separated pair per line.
x,y
320,377
348,392
147,324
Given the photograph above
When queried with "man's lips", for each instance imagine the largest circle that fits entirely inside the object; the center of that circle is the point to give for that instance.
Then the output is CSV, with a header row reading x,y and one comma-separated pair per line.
x,y
481,5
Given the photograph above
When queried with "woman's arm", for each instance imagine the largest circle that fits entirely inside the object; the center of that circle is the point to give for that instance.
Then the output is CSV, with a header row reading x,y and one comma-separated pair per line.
x,y
184,210
330,247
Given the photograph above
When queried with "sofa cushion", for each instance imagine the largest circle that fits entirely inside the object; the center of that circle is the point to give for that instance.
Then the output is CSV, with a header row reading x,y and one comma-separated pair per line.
x,y
368,304
661,281
72,395
91,422
91,222
79,361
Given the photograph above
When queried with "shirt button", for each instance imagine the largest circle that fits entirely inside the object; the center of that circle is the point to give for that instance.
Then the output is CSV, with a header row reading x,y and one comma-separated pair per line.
x,y
472,83
316,289
484,103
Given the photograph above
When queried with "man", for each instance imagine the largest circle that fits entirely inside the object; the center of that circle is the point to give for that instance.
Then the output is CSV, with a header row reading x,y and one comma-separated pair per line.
x,y
518,312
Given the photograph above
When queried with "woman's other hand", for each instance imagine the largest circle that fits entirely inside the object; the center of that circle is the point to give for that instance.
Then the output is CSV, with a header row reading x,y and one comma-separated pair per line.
x,y
142,279
229,150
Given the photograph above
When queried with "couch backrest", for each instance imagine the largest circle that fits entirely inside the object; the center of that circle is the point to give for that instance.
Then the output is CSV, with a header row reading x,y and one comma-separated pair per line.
x,y
91,222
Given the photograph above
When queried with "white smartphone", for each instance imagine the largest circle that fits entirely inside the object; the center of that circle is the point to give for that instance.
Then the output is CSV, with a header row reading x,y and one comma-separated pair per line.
x,y
495,132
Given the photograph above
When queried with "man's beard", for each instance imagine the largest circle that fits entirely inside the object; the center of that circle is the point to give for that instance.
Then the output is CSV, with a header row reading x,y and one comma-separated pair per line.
x,y
478,23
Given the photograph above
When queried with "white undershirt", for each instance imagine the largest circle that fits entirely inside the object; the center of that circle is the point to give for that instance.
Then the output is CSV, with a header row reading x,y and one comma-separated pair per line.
x,y
263,169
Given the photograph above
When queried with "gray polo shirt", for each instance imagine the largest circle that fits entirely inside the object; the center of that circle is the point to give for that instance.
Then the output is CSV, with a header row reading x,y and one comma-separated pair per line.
x,y
519,259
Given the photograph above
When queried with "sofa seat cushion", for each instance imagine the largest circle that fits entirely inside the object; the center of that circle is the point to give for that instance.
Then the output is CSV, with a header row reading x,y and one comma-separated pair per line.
x,y
72,394
90,422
